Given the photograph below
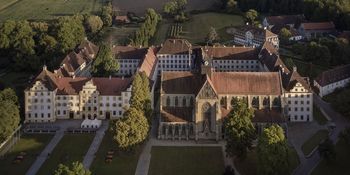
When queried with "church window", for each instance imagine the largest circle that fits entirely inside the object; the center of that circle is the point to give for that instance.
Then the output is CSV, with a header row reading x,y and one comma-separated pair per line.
x,y
168,101
176,101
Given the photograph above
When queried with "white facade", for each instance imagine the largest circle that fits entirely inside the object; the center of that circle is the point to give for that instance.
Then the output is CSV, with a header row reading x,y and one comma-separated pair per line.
x,y
327,89
42,105
177,62
236,65
300,104
250,40
128,66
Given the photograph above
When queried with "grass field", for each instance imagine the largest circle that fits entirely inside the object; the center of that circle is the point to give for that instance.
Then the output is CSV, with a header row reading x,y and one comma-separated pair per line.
x,y
122,163
186,161
313,141
341,165
31,144
47,9
6,3
119,35
249,166
197,28
72,147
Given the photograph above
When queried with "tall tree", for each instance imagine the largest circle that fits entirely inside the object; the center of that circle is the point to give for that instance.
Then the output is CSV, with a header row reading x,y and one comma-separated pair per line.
x,y
106,14
175,7
131,129
239,129
76,168
93,23
9,113
251,16
273,152
70,32
212,36
105,64
326,150
140,95
285,34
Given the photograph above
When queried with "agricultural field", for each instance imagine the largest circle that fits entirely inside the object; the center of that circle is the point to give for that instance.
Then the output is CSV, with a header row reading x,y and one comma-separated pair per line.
x,y
139,7
197,28
46,9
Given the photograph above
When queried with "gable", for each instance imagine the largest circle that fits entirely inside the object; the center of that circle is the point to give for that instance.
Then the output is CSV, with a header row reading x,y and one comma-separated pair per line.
x,y
207,92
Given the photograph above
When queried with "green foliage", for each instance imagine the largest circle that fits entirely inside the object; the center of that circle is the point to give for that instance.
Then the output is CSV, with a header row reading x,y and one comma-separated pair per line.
x,y
315,52
175,7
70,32
273,152
94,24
326,149
251,16
140,94
239,129
285,34
76,168
131,129
147,29
106,14
9,113
213,36
105,64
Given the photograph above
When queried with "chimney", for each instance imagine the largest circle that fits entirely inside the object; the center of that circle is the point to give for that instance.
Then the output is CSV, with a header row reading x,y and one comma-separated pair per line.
x,y
295,69
73,76
110,76
122,77
44,67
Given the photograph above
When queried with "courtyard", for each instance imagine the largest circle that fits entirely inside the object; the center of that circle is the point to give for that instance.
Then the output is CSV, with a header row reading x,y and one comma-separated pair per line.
x,y
29,146
186,160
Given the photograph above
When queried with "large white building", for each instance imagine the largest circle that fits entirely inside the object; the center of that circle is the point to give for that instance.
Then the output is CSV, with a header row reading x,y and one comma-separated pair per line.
x,y
330,80
254,36
57,95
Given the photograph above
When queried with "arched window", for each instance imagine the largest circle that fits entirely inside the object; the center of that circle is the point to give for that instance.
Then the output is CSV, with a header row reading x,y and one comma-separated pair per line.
x,y
191,101
266,102
223,101
183,101
276,102
176,101
255,102
168,101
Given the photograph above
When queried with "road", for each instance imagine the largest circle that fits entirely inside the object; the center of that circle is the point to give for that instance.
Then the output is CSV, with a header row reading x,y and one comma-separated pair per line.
x,y
341,123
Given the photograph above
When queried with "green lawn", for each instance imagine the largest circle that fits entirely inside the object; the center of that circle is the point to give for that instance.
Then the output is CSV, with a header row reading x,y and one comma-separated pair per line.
x,y
341,166
318,116
48,9
186,161
122,163
313,141
249,166
32,144
197,28
119,35
6,3
72,147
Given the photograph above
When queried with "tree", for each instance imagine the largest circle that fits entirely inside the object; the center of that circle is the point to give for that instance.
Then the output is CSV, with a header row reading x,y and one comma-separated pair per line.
x,y
105,64
273,152
131,129
175,7
317,53
251,16
212,35
106,14
326,150
140,94
6,33
94,23
239,129
9,113
76,168
70,32
285,34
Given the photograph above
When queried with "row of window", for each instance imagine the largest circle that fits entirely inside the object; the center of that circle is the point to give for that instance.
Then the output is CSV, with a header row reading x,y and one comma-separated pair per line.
x,y
301,117
302,95
297,102
173,66
128,66
174,61
237,61
38,94
128,61
173,56
184,102
301,109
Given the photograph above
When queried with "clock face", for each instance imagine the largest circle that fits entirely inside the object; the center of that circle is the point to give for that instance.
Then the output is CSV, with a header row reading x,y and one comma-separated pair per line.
x,y
206,63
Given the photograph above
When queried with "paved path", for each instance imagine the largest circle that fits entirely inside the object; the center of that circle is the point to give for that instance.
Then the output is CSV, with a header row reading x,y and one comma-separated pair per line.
x,y
44,154
307,165
90,155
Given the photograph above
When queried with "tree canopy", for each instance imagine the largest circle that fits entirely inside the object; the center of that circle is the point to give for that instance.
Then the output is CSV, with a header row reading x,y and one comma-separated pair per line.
x,y
105,63
140,95
9,113
273,152
106,14
76,168
212,36
251,16
239,129
175,7
131,129
94,23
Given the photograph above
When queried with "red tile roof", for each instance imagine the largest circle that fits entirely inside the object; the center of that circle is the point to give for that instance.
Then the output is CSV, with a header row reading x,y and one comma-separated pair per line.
x,y
333,75
176,114
318,26
175,46
149,62
234,53
285,19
